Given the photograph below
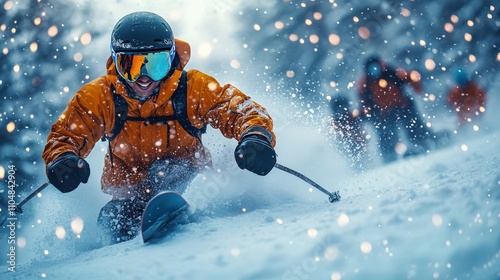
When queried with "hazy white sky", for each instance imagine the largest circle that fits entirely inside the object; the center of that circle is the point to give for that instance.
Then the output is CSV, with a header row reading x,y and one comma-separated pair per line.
x,y
207,25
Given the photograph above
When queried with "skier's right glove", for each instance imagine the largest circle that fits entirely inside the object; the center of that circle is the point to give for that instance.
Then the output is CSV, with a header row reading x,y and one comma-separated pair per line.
x,y
67,172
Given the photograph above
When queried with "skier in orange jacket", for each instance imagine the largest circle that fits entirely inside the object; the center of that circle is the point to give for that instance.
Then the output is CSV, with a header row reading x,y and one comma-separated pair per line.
x,y
466,97
154,135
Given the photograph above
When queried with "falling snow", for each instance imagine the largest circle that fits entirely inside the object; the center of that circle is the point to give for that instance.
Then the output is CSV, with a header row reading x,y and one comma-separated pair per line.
x,y
428,217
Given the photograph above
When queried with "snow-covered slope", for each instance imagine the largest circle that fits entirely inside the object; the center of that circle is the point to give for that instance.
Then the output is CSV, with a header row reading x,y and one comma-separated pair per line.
x,y
433,217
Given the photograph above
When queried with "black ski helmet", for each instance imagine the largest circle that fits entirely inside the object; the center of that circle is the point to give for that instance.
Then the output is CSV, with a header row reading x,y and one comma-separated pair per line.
x,y
142,31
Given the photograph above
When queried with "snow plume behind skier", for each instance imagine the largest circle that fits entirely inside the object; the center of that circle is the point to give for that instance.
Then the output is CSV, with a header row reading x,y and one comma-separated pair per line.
x,y
347,133
154,135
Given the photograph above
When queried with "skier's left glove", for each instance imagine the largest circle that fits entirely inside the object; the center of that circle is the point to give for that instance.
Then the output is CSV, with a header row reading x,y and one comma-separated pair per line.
x,y
255,153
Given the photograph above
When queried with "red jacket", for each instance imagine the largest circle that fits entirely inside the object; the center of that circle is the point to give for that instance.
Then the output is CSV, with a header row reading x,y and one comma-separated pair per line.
x,y
467,100
386,92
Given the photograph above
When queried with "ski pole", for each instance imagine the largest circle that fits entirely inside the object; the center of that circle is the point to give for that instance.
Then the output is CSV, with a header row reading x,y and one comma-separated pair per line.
x,y
20,205
332,197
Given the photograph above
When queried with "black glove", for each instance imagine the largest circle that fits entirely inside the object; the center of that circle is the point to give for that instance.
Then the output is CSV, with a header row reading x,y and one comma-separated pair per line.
x,y
254,153
67,172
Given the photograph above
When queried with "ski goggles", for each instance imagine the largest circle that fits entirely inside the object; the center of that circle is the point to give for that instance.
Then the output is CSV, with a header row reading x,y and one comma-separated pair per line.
x,y
155,65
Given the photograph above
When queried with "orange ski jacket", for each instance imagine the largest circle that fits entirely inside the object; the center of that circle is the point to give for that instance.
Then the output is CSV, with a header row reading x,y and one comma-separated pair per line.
x,y
91,114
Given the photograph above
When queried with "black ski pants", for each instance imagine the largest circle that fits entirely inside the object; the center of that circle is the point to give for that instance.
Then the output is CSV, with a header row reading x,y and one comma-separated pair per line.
x,y
391,126
120,219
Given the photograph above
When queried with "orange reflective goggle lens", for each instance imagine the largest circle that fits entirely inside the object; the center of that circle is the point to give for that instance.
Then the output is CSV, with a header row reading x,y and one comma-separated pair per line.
x,y
131,66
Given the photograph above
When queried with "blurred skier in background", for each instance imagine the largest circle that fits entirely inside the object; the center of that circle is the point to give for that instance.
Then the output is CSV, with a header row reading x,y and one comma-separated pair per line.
x,y
466,97
390,110
347,134
152,112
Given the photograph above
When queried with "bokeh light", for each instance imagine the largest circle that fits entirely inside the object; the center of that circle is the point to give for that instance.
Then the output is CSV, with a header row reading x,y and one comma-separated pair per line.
x,y
77,225
334,39
85,39
366,247
52,32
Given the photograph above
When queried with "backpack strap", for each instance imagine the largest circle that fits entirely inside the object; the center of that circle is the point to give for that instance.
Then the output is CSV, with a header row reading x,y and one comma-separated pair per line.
x,y
179,102
121,111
